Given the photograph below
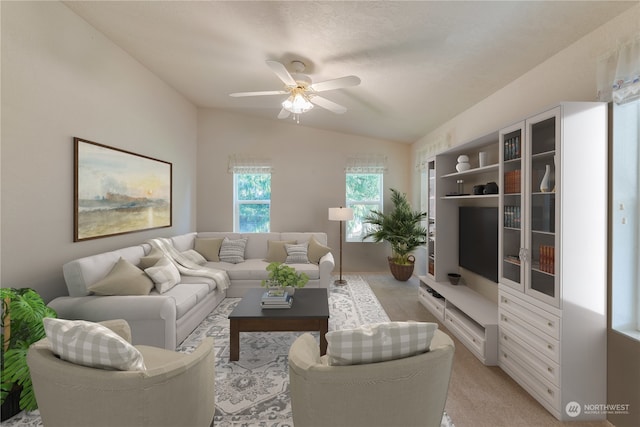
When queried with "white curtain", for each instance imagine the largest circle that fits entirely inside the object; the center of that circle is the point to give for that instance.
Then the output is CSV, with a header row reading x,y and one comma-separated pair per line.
x,y
367,163
246,163
619,74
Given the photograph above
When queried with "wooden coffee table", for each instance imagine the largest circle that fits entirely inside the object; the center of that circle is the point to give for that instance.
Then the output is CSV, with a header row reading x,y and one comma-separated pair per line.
x,y
309,312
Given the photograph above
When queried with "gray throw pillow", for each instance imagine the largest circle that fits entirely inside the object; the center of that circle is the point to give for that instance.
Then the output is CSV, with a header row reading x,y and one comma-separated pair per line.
x,y
297,254
232,251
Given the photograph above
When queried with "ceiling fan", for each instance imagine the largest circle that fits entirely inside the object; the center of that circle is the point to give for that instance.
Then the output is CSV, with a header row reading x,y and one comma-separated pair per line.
x,y
303,94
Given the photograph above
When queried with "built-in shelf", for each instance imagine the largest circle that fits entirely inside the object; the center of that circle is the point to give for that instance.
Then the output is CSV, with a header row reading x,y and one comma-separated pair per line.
x,y
472,196
473,171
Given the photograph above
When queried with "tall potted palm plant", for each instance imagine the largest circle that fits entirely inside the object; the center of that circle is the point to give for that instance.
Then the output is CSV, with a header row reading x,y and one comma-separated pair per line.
x,y
22,313
403,229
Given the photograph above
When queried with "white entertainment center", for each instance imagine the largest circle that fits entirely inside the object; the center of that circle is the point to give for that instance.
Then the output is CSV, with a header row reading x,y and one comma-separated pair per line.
x,y
547,328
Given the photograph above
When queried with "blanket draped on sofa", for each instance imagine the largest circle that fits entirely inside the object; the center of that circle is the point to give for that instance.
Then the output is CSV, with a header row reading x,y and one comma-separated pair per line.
x,y
188,267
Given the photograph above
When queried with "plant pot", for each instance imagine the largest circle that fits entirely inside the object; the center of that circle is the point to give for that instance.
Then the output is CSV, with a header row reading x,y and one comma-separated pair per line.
x,y
290,290
11,405
402,272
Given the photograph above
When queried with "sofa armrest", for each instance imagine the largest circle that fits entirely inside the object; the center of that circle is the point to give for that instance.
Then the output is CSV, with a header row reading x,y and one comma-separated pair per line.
x,y
326,266
152,318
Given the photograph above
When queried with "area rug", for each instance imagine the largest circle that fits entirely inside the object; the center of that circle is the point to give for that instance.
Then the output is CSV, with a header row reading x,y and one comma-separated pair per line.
x,y
254,391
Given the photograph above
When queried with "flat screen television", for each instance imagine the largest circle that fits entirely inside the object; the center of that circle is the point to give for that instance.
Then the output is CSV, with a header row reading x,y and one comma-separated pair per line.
x,y
478,240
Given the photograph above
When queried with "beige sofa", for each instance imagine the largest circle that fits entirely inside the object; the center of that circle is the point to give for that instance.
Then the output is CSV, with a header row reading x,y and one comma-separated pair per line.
x,y
402,392
165,320
72,395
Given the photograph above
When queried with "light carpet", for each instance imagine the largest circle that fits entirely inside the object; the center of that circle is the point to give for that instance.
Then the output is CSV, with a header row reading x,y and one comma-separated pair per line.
x,y
254,391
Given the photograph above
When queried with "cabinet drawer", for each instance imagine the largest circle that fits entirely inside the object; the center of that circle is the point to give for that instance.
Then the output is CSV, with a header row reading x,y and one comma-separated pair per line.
x,y
542,366
466,330
545,392
531,315
529,336
434,305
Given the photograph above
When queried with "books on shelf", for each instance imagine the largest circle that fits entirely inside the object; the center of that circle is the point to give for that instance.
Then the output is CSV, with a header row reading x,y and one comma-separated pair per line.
x,y
276,299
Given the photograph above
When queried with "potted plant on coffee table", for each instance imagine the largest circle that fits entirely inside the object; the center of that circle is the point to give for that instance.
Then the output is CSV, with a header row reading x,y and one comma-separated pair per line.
x,y
402,228
284,276
22,313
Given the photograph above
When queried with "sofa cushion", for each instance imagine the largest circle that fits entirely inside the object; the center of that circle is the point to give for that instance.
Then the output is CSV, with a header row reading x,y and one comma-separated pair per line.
x,y
164,274
211,284
123,279
91,344
379,342
316,250
209,247
232,251
297,254
151,258
276,251
183,242
194,256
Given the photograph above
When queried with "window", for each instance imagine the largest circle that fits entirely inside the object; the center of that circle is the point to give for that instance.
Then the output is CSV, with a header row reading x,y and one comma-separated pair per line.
x,y
625,274
251,202
364,193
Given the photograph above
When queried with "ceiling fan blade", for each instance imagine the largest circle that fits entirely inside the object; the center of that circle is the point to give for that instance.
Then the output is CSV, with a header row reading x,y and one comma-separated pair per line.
x,y
283,114
328,105
266,92
338,83
282,73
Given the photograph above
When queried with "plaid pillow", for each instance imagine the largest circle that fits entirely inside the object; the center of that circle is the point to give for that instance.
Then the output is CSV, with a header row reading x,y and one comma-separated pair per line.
x,y
379,342
164,274
297,254
91,344
232,250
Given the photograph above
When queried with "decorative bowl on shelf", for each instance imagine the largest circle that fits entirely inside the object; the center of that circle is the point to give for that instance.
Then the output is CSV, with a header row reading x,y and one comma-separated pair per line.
x,y
454,278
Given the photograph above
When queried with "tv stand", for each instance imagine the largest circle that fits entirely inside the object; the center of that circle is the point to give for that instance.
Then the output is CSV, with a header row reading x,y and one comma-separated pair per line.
x,y
472,318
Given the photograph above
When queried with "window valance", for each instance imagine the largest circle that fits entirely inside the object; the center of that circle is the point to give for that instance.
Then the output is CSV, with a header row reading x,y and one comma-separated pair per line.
x,y
367,163
619,74
244,163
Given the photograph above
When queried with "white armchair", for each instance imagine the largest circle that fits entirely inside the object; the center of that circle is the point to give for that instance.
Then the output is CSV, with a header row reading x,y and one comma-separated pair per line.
x,y
405,392
176,389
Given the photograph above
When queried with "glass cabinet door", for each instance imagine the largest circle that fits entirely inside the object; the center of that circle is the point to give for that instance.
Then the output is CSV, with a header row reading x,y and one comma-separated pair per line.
x,y
431,217
512,148
544,137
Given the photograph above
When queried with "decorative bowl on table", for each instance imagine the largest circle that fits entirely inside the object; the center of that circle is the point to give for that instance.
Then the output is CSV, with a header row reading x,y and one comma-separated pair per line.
x,y
454,278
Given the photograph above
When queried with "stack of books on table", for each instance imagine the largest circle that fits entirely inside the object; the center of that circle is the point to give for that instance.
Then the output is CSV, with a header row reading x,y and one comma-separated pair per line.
x,y
276,299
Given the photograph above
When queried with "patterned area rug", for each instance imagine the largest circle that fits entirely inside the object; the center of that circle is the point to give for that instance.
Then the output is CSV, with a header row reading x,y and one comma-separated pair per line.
x,y
254,391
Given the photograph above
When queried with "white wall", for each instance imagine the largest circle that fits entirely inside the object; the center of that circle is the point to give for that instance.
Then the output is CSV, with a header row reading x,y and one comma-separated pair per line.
x,y
61,78
569,75
308,176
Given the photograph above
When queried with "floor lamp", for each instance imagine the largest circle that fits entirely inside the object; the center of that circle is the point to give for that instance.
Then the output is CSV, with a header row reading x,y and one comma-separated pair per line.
x,y
340,214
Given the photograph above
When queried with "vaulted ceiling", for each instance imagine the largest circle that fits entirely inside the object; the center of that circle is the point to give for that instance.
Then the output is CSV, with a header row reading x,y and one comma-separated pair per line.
x,y
420,63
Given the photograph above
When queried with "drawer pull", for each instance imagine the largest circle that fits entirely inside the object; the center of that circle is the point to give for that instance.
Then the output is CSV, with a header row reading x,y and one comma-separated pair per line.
x,y
550,369
549,346
550,391
505,337
550,324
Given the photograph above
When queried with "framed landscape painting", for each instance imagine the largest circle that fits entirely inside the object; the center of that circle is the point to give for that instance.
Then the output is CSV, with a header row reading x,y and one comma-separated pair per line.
x,y
118,192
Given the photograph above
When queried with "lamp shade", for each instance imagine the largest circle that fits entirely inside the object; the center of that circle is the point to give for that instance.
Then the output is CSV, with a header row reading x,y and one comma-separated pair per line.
x,y
340,214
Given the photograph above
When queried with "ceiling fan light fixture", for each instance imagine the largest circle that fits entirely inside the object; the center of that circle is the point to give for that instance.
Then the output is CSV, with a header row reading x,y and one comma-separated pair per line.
x,y
297,103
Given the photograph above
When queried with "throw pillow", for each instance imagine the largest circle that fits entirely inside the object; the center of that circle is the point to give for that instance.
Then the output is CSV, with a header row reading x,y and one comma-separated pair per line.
x,y
91,344
379,342
276,251
208,248
194,256
316,250
232,251
123,279
297,254
164,274
151,258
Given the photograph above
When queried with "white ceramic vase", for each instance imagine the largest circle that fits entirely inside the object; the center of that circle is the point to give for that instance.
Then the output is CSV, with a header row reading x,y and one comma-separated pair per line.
x,y
544,184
